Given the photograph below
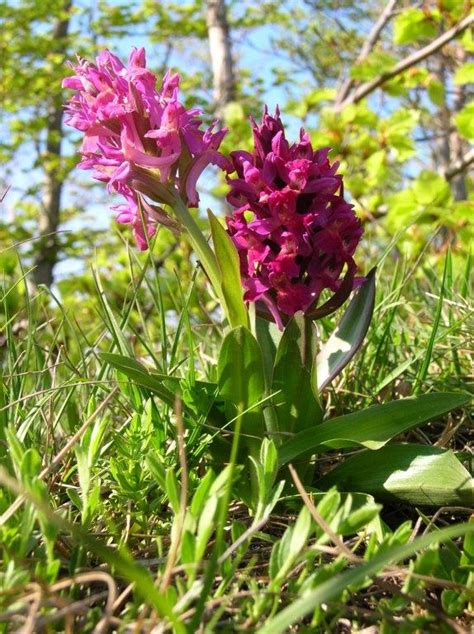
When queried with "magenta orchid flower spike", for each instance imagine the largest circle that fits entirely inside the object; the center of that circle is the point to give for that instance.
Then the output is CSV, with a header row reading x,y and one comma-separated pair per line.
x,y
139,140
294,232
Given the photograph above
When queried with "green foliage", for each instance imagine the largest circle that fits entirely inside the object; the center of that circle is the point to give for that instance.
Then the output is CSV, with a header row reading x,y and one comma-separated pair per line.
x,y
426,203
464,121
296,350
412,25
347,338
117,490
413,473
229,269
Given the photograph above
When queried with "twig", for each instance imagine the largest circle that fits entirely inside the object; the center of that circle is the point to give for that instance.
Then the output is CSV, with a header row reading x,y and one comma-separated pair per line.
x,y
459,166
173,552
368,87
336,540
35,601
58,458
68,612
251,530
91,577
367,47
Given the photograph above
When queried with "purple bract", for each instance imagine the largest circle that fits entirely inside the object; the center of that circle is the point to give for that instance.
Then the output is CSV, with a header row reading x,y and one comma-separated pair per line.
x,y
139,140
294,231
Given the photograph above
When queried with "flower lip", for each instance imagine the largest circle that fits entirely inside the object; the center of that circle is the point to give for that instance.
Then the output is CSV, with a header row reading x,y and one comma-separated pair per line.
x,y
293,230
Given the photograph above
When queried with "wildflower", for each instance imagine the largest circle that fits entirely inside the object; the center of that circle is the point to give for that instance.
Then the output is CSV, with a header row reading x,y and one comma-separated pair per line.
x,y
139,140
294,231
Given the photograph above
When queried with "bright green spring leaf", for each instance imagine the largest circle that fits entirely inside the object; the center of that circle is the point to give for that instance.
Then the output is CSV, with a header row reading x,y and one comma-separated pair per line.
x,y
465,121
228,263
348,336
464,74
412,25
414,474
372,427
241,379
297,407
240,368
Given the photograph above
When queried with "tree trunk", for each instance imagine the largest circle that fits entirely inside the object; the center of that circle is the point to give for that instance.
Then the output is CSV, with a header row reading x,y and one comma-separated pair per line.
x,y
50,208
458,146
221,54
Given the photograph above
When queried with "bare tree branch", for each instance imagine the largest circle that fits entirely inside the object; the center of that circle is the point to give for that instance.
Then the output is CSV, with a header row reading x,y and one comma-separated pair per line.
x,y
459,166
367,47
368,87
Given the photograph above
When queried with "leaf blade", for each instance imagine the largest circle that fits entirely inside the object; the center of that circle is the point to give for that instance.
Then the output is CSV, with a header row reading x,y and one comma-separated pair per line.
x,y
348,336
373,427
228,263
414,474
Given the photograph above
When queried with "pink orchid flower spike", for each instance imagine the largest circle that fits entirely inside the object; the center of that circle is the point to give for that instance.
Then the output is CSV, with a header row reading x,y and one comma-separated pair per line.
x,y
294,232
139,140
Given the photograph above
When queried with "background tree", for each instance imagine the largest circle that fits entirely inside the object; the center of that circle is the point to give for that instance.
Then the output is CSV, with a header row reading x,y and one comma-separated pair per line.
x,y
386,84
220,49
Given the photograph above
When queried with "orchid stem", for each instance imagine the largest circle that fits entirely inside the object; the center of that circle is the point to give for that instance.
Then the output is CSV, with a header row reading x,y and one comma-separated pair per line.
x,y
199,244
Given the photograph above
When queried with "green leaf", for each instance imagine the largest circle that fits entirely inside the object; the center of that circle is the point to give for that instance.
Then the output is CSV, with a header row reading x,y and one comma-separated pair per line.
x,y
296,406
228,263
464,74
139,375
299,535
430,188
241,378
465,121
373,427
240,368
332,588
436,92
347,337
233,113
165,386
412,25
414,474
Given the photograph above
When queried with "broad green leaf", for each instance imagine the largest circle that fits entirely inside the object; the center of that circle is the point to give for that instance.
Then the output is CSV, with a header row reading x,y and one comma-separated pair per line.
x,y
168,388
268,336
296,406
373,427
241,378
414,474
465,121
335,586
464,74
412,25
240,368
436,92
231,283
347,337
430,188
139,375
376,164
376,62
